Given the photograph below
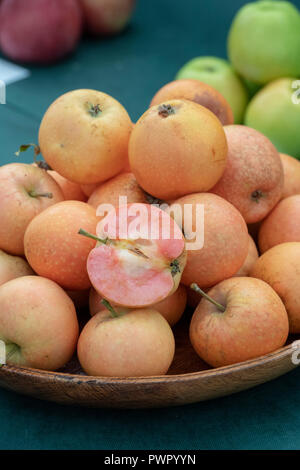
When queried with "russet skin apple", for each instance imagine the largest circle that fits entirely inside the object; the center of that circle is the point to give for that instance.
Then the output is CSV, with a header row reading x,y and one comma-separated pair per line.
x,y
264,41
139,258
253,322
55,250
171,308
39,31
249,261
106,17
282,225
226,239
84,136
291,169
279,267
177,148
38,323
71,191
200,93
253,179
25,191
135,344
219,74
12,267
124,185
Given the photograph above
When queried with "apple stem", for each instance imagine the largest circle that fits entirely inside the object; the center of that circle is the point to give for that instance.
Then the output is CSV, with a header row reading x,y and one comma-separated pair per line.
x,y
93,237
34,194
110,308
197,289
25,147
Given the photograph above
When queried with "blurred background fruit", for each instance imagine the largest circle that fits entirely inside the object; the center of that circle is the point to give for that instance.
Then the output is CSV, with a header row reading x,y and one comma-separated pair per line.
x,y
106,17
39,31
199,92
264,41
273,112
219,74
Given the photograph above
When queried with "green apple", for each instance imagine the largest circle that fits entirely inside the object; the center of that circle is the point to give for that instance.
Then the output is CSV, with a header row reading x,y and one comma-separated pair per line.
x,y
219,74
275,111
264,41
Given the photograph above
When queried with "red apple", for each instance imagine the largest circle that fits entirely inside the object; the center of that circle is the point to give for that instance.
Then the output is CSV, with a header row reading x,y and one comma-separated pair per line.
x,y
107,17
39,31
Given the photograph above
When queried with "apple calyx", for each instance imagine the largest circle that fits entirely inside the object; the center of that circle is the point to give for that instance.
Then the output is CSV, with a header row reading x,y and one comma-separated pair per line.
x,y
153,200
257,195
197,289
94,109
165,110
43,165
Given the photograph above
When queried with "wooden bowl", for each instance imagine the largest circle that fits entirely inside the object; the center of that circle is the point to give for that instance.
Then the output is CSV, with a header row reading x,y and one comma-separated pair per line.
x,y
189,380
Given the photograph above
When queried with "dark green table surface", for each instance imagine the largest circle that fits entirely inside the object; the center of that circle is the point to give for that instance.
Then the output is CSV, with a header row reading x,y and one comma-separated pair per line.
x,y
163,35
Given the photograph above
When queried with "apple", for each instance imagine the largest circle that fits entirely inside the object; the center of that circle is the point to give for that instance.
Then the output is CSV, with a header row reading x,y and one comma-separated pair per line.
x,y
123,185
199,92
279,267
275,111
291,169
71,191
176,148
12,267
106,17
53,247
282,225
134,344
39,31
139,258
171,308
252,257
216,237
84,136
25,191
253,179
38,323
219,74
264,41
237,320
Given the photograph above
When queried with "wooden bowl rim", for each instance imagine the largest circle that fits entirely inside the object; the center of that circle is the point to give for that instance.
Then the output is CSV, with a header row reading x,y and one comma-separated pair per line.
x,y
63,377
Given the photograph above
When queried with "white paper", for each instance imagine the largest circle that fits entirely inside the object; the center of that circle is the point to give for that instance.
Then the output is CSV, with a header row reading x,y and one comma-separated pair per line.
x,y
10,73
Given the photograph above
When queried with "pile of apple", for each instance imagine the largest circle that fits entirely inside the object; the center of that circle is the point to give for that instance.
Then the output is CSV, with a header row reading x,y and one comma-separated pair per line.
x,y
44,31
67,239
261,79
